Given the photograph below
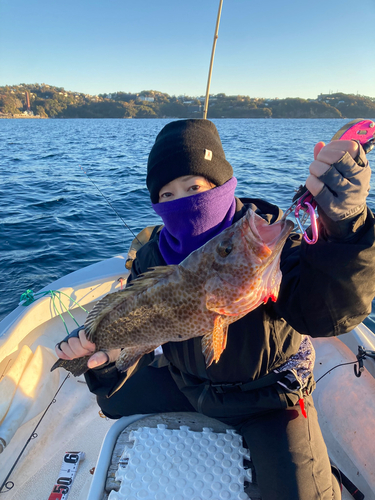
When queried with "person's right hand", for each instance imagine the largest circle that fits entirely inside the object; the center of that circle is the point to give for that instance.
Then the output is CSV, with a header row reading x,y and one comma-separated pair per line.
x,y
339,179
77,347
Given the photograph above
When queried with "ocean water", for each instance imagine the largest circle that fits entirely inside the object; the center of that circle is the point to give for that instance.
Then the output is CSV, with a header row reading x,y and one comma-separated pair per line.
x,y
54,221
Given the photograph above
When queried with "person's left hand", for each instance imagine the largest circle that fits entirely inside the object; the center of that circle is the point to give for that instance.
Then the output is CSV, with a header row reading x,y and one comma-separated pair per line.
x,y
339,180
79,346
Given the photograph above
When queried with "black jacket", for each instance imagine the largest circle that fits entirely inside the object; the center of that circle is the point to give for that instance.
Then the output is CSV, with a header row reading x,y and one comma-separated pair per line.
x,y
326,290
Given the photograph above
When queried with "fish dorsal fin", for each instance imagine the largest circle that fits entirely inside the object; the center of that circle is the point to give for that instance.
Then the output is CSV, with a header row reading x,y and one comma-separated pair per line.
x,y
214,343
112,300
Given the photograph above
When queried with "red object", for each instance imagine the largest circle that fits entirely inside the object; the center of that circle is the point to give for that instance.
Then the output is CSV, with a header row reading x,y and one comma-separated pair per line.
x,y
55,496
267,297
302,405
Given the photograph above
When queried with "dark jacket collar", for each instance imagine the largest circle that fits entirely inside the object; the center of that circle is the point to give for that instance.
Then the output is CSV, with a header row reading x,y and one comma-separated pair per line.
x,y
271,213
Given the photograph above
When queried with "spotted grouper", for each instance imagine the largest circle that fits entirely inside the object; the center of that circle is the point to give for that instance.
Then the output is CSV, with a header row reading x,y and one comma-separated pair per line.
x,y
217,284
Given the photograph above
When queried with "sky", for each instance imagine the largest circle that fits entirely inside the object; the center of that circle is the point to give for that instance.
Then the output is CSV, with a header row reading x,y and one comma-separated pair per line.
x,y
268,48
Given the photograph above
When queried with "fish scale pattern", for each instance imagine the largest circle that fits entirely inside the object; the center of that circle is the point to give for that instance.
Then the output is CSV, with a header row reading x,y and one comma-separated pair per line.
x,y
180,464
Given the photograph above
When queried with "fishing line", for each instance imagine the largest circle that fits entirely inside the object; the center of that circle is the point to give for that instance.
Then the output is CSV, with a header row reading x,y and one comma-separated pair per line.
x,y
341,364
110,204
9,485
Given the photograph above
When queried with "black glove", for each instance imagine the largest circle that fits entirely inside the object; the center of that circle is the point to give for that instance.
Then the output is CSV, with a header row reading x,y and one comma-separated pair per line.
x,y
342,201
73,333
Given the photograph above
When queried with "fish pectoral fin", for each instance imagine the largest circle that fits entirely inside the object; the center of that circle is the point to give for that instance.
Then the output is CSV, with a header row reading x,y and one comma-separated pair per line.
x,y
130,356
214,302
214,343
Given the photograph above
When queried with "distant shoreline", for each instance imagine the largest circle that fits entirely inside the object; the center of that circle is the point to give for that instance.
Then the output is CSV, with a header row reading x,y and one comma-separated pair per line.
x,y
169,118
23,117
46,101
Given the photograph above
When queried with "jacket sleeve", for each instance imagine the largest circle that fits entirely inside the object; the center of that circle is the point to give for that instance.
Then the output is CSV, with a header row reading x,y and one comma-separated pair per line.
x,y
327,288
103,380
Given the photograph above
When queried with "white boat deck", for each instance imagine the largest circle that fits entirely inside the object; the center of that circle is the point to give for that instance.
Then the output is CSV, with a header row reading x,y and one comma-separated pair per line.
x,y
72,423
345,404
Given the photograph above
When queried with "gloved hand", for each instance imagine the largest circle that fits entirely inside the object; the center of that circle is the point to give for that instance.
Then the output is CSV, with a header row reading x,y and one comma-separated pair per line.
x,y
339,180
76,345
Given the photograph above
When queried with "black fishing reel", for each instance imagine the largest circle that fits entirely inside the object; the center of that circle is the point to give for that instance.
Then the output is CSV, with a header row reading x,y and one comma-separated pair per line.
x,y
362,354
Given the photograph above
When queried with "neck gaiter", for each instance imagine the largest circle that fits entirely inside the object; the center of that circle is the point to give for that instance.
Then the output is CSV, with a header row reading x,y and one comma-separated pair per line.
x,y
192,221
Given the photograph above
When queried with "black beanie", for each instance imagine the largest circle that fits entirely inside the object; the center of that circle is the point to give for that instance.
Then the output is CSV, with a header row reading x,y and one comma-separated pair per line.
x,y
186,147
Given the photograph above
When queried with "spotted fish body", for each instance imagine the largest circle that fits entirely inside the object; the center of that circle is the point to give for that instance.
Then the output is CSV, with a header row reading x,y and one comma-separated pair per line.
x,y
219,283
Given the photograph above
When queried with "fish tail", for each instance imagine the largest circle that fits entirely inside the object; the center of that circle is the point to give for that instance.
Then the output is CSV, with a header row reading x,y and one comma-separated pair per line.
x,y
76,366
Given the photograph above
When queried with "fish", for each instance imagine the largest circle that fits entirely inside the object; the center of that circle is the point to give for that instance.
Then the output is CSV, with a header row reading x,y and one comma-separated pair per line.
x,y
216,285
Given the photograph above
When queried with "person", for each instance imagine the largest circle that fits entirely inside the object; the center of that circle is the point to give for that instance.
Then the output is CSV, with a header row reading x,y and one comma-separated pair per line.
x,y
263,381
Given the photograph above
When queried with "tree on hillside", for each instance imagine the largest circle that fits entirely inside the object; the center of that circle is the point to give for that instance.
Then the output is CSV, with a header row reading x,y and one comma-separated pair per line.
x,y
145,112
302,108
39,110
357,108
173,109
54,108
9,105
123,96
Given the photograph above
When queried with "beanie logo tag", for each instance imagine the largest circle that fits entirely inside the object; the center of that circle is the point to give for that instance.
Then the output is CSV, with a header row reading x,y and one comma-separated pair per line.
x,y
208,154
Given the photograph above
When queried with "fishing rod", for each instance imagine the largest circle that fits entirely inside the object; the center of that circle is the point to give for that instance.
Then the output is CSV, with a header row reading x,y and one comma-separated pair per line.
x,y
216,36
110,204
8,485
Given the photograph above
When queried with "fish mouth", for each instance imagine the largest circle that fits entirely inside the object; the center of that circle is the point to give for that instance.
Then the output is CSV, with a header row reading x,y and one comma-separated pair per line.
x,y
272,235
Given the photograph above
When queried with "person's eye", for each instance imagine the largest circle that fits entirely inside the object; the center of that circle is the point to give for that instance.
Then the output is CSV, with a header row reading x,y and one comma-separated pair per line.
x,y
195,187
166,195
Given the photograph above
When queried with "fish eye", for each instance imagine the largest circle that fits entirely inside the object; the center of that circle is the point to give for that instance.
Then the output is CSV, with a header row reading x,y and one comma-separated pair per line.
x,y
224,248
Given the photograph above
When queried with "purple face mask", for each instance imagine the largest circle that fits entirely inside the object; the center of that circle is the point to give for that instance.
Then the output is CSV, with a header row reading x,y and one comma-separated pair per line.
x,y
192,221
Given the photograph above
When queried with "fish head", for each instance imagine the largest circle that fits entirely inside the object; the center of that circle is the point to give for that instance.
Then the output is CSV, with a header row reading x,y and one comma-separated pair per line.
x,y
243,265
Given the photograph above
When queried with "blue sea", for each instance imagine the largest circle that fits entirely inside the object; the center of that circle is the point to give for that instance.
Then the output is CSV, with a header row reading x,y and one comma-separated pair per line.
x,y
54,221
